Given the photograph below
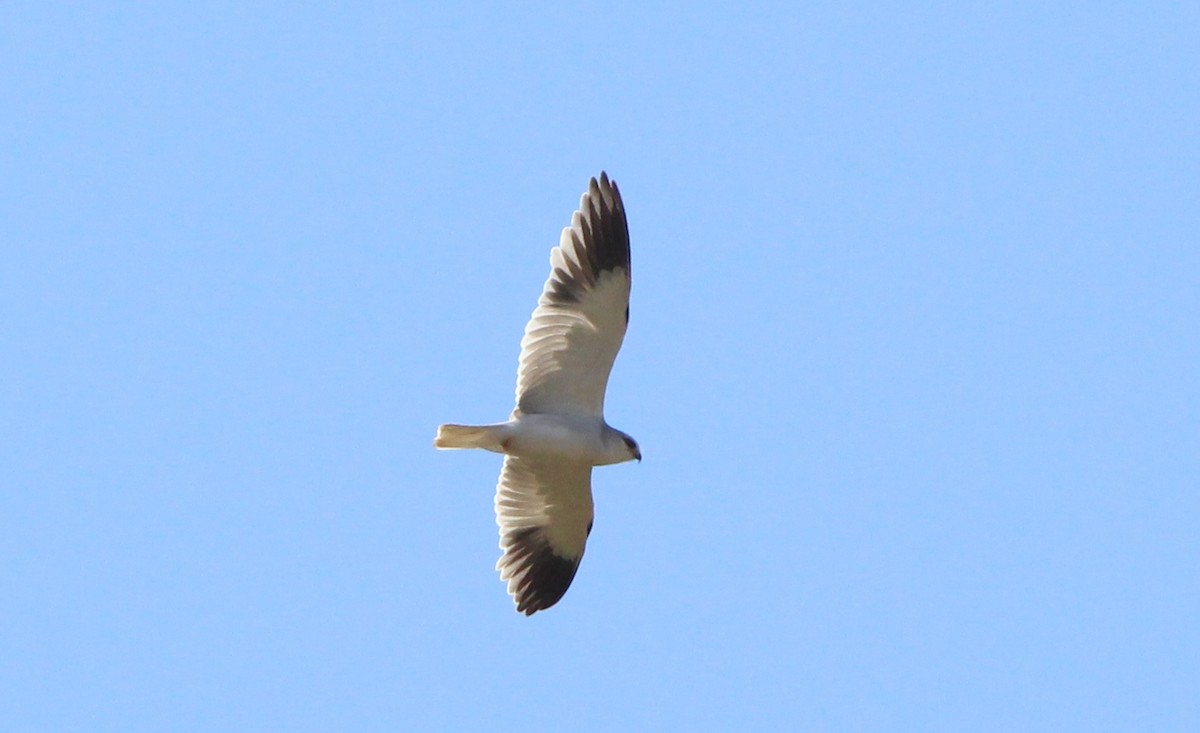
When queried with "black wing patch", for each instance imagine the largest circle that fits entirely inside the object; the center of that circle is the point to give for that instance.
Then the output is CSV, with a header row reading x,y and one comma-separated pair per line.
x,y
542,577
599,242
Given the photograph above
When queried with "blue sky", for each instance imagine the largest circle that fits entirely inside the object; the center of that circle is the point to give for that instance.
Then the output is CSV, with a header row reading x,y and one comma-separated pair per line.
x,y
912,360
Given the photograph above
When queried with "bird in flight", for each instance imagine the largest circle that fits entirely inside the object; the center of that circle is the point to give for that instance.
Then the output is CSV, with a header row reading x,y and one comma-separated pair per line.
x,y
557,432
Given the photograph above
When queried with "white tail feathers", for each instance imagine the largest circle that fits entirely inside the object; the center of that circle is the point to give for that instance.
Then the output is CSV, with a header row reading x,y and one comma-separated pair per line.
x,y
487,437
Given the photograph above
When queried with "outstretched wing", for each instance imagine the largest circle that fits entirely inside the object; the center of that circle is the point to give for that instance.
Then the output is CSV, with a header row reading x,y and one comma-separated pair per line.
x,y
576,330
544,509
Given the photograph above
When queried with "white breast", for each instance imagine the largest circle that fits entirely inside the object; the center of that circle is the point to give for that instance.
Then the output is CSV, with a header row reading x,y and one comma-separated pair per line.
x,y
563,437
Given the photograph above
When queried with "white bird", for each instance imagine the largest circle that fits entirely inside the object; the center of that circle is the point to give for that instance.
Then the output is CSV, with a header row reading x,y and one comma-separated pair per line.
x,y
557,432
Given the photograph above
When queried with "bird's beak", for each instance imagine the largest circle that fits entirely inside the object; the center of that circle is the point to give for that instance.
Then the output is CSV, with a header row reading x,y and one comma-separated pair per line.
x,y
638,456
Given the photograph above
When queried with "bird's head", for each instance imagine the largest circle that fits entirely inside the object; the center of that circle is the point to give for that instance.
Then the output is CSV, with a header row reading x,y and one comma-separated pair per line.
x,y
631,445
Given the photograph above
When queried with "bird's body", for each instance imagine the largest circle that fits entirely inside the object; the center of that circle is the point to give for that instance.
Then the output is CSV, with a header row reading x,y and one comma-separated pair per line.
x,y
557,433
576,438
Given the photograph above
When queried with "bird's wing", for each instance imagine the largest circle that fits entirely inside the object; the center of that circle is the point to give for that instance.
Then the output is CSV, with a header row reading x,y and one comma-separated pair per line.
x,y
544,509
576,330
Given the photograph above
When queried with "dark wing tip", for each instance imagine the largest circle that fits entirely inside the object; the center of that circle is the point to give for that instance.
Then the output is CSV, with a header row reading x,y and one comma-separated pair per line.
x,y
603,211
596,242
540,577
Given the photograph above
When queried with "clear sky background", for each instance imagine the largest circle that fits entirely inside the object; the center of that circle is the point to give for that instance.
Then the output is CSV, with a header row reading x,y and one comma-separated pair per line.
x,y
914,360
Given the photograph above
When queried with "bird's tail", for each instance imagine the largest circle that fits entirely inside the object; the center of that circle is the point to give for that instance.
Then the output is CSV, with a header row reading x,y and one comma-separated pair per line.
x,y
487,437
